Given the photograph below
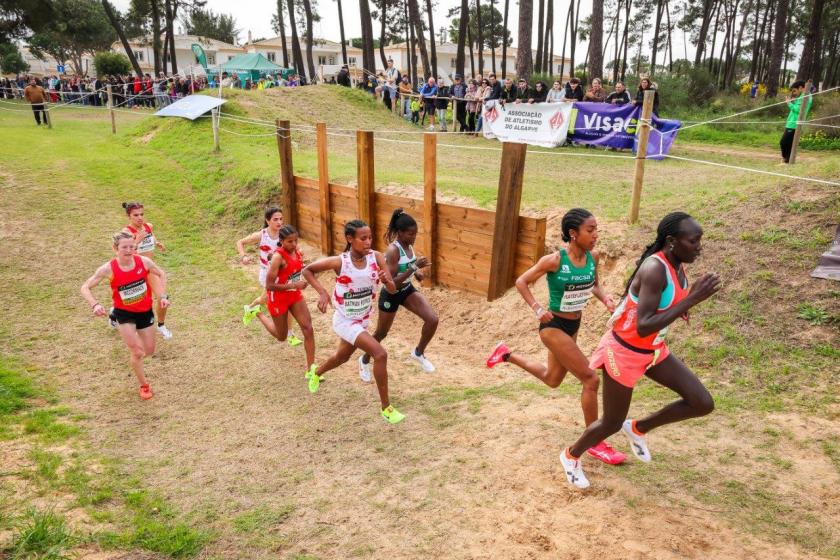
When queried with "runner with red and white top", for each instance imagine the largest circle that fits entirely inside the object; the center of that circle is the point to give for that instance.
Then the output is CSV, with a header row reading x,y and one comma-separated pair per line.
x,y
656,295
283,286
265,240
146,245
130,277
359,270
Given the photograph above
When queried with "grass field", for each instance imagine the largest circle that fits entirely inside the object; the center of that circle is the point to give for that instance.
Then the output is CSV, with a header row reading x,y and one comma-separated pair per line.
x,y
233,458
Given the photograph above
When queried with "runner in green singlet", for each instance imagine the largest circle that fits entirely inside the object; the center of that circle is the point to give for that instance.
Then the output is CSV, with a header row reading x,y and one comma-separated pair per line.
x,y
572,276
403,265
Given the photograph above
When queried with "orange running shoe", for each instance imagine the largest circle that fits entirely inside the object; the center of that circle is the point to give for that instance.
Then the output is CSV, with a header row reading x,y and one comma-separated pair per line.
x,y
498,354
145,392
604,452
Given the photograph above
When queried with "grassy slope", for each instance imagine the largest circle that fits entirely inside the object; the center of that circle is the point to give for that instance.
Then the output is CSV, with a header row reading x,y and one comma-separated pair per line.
x,y
770,371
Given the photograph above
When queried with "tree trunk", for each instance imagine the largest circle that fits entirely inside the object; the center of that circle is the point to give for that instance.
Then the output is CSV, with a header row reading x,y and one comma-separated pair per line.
x,y
596,37
706,16
115,23
655,45
297,55
617,41
549,15
414,11
307,6
383,9
368,56
730,75
551,46
504,39
432,42
538,63
812,50
480,42
627,6
281,23
574,30
758,38
156,35
776,51
670,30
563,49
472,58
493,37
340,31
171,12
711,52
463,23
165,52
413,43
524,62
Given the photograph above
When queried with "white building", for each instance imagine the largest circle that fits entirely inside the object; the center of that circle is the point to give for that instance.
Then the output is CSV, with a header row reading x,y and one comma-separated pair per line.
x,y
447,52
324,52
217,52
49,66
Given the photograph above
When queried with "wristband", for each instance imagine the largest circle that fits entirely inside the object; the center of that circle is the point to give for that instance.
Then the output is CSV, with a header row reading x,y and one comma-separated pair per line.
x,y
539,311
94,305
535,303
163,296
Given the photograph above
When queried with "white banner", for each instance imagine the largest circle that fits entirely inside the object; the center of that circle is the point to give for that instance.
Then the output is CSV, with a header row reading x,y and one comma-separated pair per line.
x,y
539,124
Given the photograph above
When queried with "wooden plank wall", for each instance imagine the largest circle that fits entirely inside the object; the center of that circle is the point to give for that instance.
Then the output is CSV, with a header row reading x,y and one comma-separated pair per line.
x,y
463,236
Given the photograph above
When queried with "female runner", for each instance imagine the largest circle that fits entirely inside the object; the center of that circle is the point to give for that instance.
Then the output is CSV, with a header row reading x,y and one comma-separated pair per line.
x,y
146,245
283,292
656,295
572,276
266,241
131,288
359,270
403,264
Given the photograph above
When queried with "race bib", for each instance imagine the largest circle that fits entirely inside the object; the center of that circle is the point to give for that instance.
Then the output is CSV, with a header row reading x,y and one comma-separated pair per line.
x,y
660,336
575,300
294,277
357,304
133,292
147,245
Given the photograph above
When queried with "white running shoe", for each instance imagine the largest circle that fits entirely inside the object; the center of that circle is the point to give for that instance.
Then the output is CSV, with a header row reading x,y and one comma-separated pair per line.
x,y
574,471
364,371
638,444
427,366
164,332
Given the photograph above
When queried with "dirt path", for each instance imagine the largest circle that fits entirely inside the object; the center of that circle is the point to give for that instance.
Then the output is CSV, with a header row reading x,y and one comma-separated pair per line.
x,y
471,473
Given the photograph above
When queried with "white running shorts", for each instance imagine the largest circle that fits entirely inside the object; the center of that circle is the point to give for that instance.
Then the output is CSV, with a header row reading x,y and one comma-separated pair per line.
x,y
349,329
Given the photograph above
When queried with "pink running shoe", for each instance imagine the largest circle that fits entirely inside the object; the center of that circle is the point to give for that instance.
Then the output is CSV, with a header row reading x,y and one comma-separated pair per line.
x,y
497,356
604,452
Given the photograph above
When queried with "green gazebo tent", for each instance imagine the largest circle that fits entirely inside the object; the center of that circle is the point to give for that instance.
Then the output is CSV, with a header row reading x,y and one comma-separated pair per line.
x,y
250,65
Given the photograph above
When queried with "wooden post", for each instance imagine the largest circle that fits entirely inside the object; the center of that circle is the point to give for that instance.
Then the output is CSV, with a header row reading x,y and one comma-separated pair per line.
x,y
507,219
803,114
641,155
430,204
365,175
111,109
215,119
287,173
324,188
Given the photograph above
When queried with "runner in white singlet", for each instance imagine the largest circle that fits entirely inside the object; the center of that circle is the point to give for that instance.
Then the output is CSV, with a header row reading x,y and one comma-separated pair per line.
x,y
359,271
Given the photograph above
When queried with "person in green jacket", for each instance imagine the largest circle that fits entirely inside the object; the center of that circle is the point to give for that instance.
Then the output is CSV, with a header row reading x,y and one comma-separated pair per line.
x,y
794,102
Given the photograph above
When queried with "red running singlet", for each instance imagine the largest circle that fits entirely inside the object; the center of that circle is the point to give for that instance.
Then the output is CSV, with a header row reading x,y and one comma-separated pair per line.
x,y
130,290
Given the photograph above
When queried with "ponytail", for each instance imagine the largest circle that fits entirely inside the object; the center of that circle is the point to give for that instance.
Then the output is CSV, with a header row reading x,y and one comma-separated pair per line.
x,y
573,219
129,206
668,227
350,229
400,221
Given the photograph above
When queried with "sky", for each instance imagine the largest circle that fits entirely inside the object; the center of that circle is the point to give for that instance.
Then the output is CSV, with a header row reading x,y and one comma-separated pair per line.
x,y
255,16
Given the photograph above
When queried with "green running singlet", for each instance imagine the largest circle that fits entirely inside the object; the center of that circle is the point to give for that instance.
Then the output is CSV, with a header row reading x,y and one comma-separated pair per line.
x,y
570,287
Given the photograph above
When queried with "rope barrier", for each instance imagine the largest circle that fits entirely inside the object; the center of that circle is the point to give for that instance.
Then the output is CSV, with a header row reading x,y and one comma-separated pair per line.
x,y
751,170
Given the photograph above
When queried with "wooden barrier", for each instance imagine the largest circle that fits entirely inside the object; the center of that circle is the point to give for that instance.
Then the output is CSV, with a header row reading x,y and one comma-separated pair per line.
x,y
458,240
641,155
287,172
506,219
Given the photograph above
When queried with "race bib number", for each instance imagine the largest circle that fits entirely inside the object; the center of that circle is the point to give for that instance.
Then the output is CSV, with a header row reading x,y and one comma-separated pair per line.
x,y
294,277
133,292
660,336
575,300
147,245
357,304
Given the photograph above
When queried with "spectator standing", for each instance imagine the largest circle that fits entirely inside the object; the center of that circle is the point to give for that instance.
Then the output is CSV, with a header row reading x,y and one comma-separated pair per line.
x,y
754,90
523,92
619,96
405,92
459,104
573,90
392,77
37,97
484,90
428,93
556,94
644,85
495,88
595,93
508,92
441,103
794,103
415,110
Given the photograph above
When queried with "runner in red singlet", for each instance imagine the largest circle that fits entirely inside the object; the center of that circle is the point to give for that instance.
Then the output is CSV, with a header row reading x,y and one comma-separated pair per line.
x,y
656,295
283,285
131,291
146,245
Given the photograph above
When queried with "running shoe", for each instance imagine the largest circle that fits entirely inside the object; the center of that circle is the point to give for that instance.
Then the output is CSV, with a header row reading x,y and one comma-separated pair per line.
x,y
604,452
498,354
364,371
314,381
145,392
293,340
311,371
112,320
250,313
392,415
574,471
638,444
164,332
427,366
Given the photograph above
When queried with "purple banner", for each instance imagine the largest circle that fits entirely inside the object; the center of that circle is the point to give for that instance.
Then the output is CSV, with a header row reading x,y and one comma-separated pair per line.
x,y
615,126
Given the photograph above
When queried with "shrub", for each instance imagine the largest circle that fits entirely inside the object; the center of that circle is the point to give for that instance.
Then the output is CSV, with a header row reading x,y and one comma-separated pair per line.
x,y
111,64
827,105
